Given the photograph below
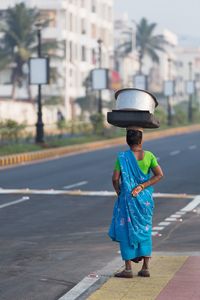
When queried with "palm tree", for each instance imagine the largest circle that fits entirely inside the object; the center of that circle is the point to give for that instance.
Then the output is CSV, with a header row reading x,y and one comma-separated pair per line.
x,y
147,43
20,42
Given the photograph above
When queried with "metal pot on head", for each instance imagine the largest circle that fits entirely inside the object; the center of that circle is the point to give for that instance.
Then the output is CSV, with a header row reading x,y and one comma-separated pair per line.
x,y
135,99
134,107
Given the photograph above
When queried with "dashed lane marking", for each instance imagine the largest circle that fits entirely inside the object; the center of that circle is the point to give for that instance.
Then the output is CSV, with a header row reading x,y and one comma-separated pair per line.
x,y
192,147
75,185
175,152
14,202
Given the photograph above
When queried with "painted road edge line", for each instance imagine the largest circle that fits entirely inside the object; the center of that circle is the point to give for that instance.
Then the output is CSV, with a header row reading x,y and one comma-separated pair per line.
x,y
177,216
14,202
89,283
86,193
192,205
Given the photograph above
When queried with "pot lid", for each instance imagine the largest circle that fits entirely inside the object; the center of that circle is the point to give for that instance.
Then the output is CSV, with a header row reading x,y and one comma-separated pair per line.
x,y
139,90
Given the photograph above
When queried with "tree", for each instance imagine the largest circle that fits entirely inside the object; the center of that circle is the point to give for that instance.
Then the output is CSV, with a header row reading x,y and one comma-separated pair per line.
x,y
20,42
147,43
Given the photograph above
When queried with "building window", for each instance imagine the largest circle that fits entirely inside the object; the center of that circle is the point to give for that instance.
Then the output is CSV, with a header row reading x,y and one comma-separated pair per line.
x,y
93,8
83,26
70,51
82,3
93,57
83,53
94,31
71,27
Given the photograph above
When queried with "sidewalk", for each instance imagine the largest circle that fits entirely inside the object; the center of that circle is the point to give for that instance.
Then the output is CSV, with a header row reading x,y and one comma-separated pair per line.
x,y
172,278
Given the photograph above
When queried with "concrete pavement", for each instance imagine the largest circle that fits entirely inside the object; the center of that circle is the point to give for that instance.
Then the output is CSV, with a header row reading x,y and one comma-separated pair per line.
x,y
172,277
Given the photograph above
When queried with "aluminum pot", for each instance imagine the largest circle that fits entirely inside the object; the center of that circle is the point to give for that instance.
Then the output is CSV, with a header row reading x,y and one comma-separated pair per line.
x,y
135,99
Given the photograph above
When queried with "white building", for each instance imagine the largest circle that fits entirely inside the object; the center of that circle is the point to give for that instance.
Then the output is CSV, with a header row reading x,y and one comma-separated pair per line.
x,y
78,24
126,57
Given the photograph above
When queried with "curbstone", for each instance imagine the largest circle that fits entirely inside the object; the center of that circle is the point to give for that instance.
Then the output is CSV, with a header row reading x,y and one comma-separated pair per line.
x,y
16,159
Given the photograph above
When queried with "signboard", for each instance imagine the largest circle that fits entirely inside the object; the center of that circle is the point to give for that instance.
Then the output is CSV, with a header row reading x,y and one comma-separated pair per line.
x,y
99,79
169,88
140,82
38,70
190,87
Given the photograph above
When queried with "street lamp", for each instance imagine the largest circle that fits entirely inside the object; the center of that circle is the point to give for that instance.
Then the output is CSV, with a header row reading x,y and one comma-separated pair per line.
x,y
39,75
99,41
39,124
169,105
190,82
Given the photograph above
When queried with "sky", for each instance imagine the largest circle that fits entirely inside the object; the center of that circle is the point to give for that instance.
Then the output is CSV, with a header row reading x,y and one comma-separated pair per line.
x,y
179,16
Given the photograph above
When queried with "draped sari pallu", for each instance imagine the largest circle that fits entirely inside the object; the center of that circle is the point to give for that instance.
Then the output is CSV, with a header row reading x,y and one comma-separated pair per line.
x,y
132,216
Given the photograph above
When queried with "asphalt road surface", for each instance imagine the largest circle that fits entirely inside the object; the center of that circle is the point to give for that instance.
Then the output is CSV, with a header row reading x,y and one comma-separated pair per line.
x,y
49,243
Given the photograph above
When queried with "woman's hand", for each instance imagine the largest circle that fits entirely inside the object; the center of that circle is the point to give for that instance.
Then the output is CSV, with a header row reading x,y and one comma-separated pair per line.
x,y
136,190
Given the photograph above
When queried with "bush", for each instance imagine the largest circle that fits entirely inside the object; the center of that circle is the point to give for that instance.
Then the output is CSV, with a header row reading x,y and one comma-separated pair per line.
x,y
161,115
97,121
11,130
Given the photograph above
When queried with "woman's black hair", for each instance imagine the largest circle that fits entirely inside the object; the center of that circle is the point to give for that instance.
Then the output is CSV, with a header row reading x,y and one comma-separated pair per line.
x,y
133,137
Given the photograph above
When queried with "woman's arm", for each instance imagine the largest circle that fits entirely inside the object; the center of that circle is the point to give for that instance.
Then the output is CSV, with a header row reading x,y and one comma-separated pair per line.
x,y
157,176
115,181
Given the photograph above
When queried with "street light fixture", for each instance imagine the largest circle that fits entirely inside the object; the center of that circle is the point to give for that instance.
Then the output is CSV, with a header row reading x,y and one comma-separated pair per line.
x,y
99,41
39,75
39,124
190,90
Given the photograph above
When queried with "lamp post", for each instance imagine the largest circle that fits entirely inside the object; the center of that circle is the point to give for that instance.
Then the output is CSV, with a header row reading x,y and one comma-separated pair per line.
x,y
39,125
169,107
190,115
99,41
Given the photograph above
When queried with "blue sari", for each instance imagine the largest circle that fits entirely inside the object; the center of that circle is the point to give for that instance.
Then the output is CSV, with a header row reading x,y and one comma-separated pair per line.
x,y
131,224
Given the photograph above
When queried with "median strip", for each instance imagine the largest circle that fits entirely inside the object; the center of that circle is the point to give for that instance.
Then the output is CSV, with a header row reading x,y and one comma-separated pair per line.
x,y
16,159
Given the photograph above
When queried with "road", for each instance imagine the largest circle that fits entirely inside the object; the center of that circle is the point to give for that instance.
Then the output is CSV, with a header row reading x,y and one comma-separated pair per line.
x,y
49,243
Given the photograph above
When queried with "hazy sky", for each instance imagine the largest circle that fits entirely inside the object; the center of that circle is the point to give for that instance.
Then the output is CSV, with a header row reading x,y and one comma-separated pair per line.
x,y
180,16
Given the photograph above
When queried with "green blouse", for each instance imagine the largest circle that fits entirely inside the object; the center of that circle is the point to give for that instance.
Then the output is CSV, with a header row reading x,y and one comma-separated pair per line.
x,y
148,162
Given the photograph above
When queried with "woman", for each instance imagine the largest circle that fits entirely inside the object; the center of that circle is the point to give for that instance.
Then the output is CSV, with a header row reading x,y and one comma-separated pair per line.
x,y
132,217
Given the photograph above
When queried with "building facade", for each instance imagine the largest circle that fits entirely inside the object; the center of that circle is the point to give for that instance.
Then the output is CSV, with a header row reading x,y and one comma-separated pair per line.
x,y
77,25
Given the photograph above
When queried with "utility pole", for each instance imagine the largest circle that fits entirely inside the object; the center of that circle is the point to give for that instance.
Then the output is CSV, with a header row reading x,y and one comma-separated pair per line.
x,y
190,114
99,41
169,106
39,124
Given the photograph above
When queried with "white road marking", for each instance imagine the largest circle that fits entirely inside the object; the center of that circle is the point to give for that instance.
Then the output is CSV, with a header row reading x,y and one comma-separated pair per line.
x,y
193,204
14,202
86,193
170,219
75,185
181,213
174,152
154,233
175,216
158,228
192,147
164,223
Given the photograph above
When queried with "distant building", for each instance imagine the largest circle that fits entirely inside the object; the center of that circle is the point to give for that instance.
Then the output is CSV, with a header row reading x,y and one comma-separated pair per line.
x,y
78,24
126,56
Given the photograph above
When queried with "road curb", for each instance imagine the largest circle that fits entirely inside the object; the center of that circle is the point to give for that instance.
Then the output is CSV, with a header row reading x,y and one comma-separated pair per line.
x,y
16,159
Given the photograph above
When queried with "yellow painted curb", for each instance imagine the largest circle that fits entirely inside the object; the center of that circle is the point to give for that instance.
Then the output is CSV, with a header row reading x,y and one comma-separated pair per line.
x,y
15,159
163,268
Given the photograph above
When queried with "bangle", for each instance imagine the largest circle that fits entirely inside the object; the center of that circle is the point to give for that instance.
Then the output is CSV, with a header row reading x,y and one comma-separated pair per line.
x,y
142,186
